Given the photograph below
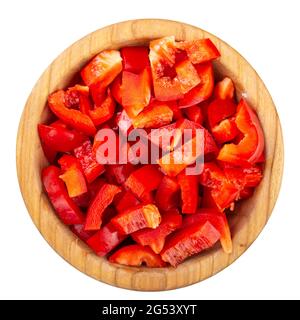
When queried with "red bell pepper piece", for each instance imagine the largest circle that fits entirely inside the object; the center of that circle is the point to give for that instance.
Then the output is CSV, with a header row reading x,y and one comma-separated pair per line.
x,y
102,200
73,175
155,238
65,208
103,68
207,200
91,168
105,240
78,229
189,241
203,90
136,218
251,147
246,193
105,111
118,173
116,89
158,114
147,197
189,192
73,118
194,113
219,110
223,191
162,136
58,139
199,51
187,75
224,89
225,131
135,255
78,97
177,113
162,58
217,219
125,201
136,91
135,59
167,194
144,179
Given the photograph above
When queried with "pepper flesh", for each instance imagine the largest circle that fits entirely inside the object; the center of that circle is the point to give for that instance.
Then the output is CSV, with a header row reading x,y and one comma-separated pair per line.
x,y
96,209
189,192
155,238
135,255
65,208
136,218
166,195
189,241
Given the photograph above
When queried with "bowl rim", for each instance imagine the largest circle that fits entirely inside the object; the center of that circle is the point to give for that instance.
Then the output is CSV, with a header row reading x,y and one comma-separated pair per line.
x,y
78,254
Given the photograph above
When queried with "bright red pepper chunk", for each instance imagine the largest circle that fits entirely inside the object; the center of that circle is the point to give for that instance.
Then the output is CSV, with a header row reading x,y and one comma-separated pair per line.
x,y
167,194
189,192
217,219
78,229
194,113
219,110
199,51
65,208
136,255
126,200
225,131
251,147
224,89
155,238
105,240
73,175
135,59
189,241
136,91
145,179
96,209
136,218
71,117
91,168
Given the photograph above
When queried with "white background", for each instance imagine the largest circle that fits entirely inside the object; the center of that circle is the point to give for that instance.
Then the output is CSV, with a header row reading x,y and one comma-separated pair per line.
x,y
33,33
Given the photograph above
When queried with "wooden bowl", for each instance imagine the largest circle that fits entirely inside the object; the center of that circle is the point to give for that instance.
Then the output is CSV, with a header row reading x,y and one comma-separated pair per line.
x,y
246,223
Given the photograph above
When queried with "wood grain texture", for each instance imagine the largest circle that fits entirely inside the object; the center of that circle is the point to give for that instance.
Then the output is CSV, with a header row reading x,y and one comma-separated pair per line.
x,y
246,223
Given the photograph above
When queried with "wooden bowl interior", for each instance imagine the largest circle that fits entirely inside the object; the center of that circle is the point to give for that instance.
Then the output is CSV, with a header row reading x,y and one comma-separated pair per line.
x,y
246,222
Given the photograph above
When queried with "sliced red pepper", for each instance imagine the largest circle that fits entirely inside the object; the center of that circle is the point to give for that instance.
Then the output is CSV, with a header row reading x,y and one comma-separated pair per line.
x,y
91,168
207,200
58,139
78,97
96,209
71,117
135,59
225,131
73,175
65,208
194,113
223,191
251,147
162,57
144,179
246,193
118,173
158,114
147,197
103,68
135,255
105,240
217,219
187,75
78,229
155,238
136,218
199,51
126,200
167,194
105,111
116,89
162,136
219,110
203,90
189,192
136,91
189,241
224,89
177,113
